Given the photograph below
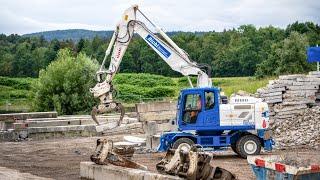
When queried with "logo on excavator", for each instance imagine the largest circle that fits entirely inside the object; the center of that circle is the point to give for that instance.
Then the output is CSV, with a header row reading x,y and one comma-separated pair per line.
x,y
118,53
158,46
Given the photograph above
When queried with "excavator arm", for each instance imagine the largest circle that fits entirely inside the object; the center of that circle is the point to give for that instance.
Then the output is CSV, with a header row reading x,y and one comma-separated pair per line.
x,y
175,57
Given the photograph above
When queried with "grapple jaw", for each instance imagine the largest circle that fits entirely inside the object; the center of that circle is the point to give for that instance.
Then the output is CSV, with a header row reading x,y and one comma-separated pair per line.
x,y
106,153
192,165
107,108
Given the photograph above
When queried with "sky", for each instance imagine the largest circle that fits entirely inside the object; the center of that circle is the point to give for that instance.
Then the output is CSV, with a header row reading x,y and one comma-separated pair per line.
x,y
28,16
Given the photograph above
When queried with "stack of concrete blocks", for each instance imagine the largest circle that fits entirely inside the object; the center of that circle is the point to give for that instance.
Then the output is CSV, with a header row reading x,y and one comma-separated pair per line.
x,y
81,125
7,120
43,127
289,96
157,118
12,125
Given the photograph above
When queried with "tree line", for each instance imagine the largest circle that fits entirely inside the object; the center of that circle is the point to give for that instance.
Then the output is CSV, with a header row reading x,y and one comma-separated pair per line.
x,y
243,51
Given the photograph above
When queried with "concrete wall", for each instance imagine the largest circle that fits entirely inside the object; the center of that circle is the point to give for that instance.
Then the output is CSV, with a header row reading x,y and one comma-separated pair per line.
x,y
89,170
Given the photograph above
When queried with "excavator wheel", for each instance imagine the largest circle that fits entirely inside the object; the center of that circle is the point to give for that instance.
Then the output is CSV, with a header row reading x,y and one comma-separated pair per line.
x,y
234,148
184,144
248,145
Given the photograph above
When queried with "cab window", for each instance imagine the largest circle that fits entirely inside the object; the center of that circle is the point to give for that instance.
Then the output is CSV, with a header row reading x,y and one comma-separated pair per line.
x,y
209,97
193,102
192,107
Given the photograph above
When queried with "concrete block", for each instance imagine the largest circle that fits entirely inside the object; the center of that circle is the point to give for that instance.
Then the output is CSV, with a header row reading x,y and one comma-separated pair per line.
x,y
156,106
314,73
157,116
274,100
308,79
61,128
289,108
272,90
152,142
307,87
150,128
18,126
89,170
2,126
290,112
292,76
271,94
126,129
166,127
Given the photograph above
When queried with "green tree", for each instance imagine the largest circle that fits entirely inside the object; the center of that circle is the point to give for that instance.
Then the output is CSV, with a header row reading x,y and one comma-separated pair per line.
x,y
64,85
292,57
287,56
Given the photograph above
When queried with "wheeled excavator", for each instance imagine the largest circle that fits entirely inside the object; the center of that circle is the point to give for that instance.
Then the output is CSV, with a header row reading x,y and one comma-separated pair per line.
x,y
203,118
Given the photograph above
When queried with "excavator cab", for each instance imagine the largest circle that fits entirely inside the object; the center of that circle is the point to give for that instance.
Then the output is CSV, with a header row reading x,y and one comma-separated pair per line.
x,y
198,108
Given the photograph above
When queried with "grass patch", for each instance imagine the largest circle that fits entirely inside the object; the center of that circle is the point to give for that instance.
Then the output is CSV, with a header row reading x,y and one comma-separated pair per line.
x,y
230,85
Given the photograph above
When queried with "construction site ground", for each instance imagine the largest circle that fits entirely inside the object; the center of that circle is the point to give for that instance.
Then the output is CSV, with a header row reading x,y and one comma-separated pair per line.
x,y
60,158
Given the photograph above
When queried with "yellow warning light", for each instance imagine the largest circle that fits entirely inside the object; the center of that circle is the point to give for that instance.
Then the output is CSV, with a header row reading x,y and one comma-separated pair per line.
x,y
126,17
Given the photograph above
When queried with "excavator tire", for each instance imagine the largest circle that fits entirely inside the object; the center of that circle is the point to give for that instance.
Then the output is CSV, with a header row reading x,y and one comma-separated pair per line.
x,y
248,145
185,142
234,148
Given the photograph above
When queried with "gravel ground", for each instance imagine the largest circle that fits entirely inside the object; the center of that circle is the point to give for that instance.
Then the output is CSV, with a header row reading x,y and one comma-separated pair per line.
x,y
60,158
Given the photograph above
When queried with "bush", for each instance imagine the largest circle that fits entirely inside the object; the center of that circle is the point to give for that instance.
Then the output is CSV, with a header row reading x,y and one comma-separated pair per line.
x,y
160,91
64,85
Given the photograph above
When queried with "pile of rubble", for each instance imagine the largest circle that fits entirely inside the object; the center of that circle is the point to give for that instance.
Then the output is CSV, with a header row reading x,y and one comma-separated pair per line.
x,y
302,130
290,98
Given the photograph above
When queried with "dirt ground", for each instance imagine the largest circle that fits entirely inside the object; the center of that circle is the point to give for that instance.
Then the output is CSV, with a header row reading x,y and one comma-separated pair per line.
x,y
60,158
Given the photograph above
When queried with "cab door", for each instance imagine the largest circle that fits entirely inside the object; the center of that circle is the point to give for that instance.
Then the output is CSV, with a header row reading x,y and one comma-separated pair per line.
x,y
210,110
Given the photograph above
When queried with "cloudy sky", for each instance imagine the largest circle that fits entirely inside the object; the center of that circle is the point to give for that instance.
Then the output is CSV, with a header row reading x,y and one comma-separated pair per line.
x,y
26,16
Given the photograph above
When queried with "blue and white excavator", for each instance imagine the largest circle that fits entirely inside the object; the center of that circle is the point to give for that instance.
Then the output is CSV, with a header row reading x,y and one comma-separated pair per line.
x,y
203,118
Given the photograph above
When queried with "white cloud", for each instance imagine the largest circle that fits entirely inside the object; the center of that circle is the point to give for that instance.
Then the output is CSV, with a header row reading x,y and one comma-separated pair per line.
x,y
20,16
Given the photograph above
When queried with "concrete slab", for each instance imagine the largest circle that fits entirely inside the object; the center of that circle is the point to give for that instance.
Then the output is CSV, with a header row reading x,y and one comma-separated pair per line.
x,y
23,116
12,174
89,170
62,128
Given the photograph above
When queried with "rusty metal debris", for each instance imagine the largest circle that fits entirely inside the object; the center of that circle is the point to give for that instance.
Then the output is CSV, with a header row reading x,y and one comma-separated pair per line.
x,y
105,153
192,165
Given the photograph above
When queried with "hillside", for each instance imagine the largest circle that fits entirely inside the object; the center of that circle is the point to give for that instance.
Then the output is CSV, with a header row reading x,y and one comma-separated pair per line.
x,y
73,34
77,34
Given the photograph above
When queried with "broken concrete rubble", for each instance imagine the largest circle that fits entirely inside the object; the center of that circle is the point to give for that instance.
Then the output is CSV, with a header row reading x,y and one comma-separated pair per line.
x,y
289,98
301,130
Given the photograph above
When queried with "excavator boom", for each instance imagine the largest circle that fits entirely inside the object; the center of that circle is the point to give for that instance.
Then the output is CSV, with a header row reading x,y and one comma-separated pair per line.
x,y
175,57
